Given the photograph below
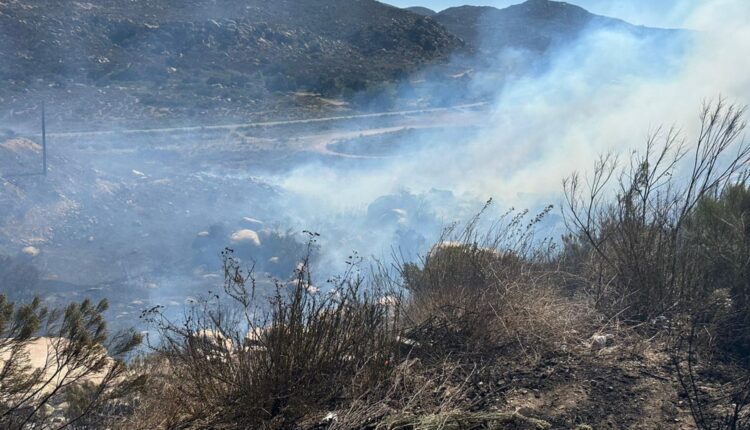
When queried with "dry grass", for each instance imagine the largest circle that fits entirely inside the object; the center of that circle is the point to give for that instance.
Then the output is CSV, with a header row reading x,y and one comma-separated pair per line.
x,y
404,349
495,293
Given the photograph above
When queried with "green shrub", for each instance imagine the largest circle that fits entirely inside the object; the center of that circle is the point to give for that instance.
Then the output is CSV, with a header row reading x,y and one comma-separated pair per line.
x,y
720,228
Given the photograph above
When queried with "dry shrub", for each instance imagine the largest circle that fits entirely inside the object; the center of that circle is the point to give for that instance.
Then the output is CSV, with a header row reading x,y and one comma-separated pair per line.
x,y
717,391
720,231
664,239
256,362
423,395
410,346
476,305
459,419
414,388
494,294
629,223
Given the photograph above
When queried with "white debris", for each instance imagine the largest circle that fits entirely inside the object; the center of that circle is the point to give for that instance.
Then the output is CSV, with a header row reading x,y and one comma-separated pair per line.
x,y
31,251
330,417
406,341
252,221
138,173
273,260
602,340
203,234
47,410
257,334
388,301
311,289
246,235
215,338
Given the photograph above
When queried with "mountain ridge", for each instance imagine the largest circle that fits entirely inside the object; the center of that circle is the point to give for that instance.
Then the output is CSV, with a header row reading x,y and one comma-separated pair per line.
x,y
534,25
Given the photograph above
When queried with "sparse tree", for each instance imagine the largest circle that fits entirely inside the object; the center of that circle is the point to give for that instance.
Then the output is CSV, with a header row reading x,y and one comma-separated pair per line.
x,y
45,354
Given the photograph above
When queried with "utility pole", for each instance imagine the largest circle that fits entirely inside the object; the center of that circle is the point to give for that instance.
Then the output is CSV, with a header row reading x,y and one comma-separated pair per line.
x,y
44,142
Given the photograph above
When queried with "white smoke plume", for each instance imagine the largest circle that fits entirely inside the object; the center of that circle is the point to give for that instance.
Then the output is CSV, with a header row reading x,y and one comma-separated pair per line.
x,y
606,92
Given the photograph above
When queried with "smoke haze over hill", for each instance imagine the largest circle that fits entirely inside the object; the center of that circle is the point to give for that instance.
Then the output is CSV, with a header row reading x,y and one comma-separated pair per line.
x,y
606,92
654,13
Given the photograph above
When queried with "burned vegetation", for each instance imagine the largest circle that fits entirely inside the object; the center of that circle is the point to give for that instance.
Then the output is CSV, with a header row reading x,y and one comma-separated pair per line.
x,y
182,128
636,319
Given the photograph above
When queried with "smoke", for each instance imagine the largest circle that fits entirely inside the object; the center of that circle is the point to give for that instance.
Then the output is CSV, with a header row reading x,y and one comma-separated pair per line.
x,y
653,13
606,92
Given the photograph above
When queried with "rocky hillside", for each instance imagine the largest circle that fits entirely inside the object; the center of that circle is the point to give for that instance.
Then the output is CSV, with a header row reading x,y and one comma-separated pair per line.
x,y
253,60
173,53
535,25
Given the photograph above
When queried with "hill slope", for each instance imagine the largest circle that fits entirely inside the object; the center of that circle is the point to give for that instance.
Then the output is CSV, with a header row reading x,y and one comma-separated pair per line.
x,y
213,49
250,60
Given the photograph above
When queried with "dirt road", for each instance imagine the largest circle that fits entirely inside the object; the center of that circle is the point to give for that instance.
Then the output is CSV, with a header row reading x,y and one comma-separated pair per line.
x,y
241,126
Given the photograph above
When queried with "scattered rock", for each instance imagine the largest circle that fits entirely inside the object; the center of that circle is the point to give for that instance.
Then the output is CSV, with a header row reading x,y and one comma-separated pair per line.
x,y
246,236
31,251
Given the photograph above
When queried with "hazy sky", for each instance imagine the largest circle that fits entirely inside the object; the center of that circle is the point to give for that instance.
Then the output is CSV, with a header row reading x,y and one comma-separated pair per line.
x,y
664,13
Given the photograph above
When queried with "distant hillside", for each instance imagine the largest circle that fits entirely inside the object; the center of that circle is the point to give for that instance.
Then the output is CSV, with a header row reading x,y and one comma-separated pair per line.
x,y
123,60
419,10
212,50
534,25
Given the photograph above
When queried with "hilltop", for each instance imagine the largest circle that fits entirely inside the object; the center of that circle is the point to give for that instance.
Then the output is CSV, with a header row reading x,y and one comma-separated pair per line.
x,y
419,10
535,25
